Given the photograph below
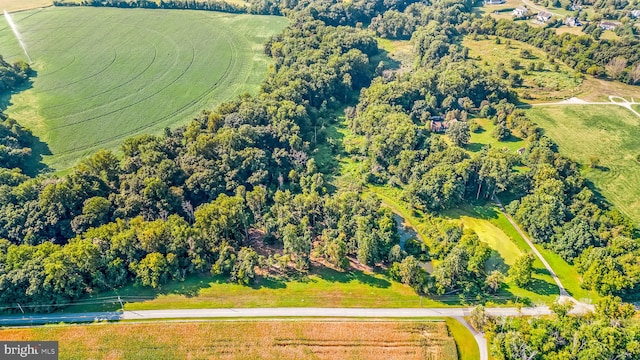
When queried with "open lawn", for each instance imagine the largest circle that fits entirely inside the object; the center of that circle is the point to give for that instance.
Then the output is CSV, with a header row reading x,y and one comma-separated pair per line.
x,y
608,133
541,84
105,74
484,137
636,107
249,340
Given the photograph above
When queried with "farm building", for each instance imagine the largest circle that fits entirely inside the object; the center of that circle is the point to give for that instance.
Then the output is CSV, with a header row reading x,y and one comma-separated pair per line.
x,y
608,25
635,14
520,11
543,16
494,2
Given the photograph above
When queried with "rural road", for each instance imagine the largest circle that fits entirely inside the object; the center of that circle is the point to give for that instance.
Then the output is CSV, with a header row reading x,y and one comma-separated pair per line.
x,y
36,319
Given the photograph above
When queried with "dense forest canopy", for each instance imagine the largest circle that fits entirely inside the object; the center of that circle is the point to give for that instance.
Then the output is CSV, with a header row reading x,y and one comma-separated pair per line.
x,y
198,198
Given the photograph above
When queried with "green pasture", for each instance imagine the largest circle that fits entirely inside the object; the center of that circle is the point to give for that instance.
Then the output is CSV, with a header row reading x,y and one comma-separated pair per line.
x,y
105,74
606,133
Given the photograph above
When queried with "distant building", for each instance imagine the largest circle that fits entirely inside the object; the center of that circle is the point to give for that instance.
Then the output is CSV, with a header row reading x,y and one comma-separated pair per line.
x,y
572,21
494,2
520,11
543,16
608,25
520,151
438,125
635,14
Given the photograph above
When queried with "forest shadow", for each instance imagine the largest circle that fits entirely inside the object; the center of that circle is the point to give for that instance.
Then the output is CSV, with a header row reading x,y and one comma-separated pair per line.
x,y
335,276
542,287
5,99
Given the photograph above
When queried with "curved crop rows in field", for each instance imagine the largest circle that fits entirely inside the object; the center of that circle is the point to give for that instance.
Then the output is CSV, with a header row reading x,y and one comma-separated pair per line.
x,y
106,74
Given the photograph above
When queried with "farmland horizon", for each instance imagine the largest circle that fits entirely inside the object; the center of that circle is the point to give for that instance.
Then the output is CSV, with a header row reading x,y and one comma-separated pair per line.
x,y
92,90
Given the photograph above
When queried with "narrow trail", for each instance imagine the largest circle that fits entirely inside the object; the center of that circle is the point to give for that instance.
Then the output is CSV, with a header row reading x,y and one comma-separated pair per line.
x,y
563,291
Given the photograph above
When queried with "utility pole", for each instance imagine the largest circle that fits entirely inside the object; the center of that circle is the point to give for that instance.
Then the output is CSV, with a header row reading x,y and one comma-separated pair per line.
x,y
121,304
20,307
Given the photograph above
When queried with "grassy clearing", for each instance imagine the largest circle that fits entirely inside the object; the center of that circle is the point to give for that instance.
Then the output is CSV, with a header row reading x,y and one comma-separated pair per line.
x,y
17,5
545,84
485,138
399,51
636,107
569,30
494,229
593,89
322,288
106,74
467,345
248,339
608,133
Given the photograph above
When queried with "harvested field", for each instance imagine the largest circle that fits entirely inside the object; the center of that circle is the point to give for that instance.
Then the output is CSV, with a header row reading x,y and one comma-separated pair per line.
x,y
249,340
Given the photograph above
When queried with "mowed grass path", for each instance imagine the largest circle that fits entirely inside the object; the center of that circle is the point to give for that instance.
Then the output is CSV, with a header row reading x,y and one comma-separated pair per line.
x,y
609,133
106,74
302,339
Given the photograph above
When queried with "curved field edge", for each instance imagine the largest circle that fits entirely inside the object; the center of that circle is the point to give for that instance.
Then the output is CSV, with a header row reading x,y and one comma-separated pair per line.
x,y
465,342
607,134
93,89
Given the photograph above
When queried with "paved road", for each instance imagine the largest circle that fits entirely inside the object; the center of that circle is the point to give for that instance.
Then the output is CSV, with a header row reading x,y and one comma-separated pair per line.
x,y
480,339
263,312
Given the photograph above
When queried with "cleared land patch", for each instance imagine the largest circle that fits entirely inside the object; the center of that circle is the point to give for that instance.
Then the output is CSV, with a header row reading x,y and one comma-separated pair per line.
x,y
106,74
16,5
548,80
249,340
607,133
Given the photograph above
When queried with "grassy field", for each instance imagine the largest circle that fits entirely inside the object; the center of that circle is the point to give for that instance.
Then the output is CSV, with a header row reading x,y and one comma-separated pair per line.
x,y
593,89
467,345
105,74
546,84
17,5
608,133
323,288
484,137
636,107
248,340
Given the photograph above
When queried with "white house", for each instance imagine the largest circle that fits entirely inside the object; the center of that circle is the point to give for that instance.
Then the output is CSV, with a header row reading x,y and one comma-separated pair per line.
x,y
520,11
543,16
635,14
608,25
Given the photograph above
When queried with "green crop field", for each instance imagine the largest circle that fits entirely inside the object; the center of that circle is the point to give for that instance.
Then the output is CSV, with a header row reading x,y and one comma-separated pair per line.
x,y
608,133
105,74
